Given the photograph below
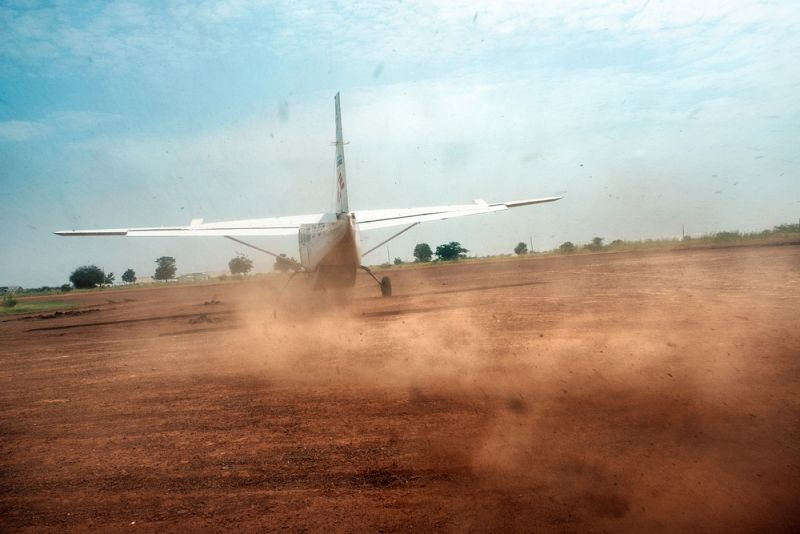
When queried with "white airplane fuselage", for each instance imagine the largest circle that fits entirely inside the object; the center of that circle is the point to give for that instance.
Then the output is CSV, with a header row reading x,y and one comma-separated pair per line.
x,y
330,252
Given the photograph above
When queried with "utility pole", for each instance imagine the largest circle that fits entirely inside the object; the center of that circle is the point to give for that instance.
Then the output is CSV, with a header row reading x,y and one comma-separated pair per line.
x,y
683,232
531,240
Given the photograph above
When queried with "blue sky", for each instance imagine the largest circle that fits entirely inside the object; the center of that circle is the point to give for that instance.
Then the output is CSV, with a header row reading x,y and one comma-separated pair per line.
x,y
649,115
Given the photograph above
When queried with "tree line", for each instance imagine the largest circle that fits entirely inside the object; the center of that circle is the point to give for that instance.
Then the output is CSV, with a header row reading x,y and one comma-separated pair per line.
x,y
91,276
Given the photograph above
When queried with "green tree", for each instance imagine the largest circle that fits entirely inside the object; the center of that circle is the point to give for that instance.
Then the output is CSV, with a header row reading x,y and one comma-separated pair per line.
x,y
166,268
398,261
521,248
129,276
423,252
241,264
87,277
109,279
567,247
65,287
451,251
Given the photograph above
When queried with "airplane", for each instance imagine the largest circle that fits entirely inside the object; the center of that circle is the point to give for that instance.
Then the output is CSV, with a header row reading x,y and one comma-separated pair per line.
x,y
328,242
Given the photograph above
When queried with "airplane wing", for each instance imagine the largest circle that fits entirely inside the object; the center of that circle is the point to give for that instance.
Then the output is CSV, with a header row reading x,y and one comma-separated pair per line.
x,y
372,219
273,226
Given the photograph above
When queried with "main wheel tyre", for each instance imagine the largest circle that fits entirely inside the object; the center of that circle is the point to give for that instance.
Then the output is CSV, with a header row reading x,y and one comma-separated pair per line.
x,y
386,286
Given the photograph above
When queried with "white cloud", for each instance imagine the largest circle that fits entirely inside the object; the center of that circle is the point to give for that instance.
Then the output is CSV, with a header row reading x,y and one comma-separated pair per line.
x,y
121,33
66,121
124,34
79,120
22,130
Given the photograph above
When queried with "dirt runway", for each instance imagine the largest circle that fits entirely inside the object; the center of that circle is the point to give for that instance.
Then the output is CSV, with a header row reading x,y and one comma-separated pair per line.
x,y
607,392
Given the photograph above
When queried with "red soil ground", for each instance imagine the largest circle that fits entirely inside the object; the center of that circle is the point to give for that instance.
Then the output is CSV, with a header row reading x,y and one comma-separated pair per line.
x,y
625,392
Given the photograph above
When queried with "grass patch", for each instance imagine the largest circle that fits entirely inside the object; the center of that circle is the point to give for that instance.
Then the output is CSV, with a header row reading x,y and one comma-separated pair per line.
x,y
36,306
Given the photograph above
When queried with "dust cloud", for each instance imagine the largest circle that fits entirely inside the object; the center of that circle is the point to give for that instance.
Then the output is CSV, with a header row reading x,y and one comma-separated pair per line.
x,y
619,390
626,392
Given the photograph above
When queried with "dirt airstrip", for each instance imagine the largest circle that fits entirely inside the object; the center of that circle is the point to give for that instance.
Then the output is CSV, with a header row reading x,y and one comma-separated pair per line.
x,y
618,392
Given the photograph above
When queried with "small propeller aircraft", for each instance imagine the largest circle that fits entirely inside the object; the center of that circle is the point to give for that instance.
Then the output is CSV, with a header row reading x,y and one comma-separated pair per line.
x,y
329,242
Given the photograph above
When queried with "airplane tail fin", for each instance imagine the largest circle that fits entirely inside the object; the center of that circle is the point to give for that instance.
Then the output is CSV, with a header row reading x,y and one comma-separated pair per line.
x,y
341,174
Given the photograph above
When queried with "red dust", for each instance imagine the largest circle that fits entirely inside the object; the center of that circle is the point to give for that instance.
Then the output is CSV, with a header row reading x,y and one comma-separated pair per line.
x,y
627,392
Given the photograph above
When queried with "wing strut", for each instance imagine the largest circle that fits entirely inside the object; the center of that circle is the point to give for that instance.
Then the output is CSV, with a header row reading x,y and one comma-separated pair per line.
x,y
296,265
404,230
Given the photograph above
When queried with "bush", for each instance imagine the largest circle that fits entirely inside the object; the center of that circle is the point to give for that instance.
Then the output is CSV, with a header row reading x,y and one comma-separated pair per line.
x,y
567,247
9,301
521,248
787,228
284,264
595,245
398,261
66,287
727,236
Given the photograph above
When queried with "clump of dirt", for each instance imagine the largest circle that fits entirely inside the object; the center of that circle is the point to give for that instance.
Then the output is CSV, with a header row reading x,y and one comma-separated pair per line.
x,y
203,318
516,405
54,315
383,478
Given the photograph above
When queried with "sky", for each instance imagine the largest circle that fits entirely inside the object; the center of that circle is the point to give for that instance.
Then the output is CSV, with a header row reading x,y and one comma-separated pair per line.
x,y
649,116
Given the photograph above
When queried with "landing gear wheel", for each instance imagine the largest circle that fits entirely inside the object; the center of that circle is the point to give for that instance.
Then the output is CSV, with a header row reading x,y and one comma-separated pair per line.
x,y
386,286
